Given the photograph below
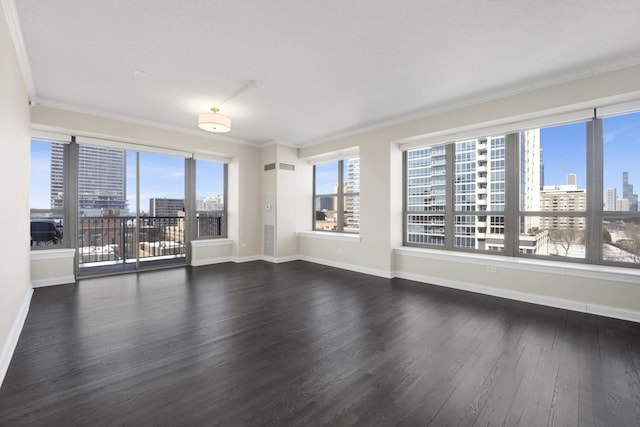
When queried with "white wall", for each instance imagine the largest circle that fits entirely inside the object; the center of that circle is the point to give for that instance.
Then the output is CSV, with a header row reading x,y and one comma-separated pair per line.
x,y
15,289
381,204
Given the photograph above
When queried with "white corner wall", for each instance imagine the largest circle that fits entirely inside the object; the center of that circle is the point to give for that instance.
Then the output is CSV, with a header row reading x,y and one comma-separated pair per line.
x,y
15,289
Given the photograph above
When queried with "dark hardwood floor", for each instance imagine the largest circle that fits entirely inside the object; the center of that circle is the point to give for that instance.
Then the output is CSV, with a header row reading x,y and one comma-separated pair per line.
x,y
303,344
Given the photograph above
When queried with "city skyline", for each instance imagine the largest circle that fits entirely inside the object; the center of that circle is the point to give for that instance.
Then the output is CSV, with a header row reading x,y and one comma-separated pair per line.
x,y
161,176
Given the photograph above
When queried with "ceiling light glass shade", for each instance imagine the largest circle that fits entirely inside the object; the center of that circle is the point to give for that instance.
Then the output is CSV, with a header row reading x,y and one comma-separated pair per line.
x,y
214,122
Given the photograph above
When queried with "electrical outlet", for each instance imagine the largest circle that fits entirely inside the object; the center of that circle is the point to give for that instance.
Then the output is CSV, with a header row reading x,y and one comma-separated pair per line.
x,y
491,269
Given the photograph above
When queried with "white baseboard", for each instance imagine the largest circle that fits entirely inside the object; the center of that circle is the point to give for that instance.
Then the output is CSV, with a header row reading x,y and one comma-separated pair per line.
x,y
247,258
616,313
208,261
52,281
573,305
344,266
278,260
9,345
219,260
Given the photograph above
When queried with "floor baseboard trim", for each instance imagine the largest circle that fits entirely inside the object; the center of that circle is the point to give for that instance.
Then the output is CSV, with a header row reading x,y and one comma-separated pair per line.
x,y
615,312
247,258
277,260
10,344
573,305
344,266
53,281
208,261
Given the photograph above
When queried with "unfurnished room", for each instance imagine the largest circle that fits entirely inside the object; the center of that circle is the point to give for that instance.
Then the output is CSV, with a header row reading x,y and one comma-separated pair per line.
x,y
365,213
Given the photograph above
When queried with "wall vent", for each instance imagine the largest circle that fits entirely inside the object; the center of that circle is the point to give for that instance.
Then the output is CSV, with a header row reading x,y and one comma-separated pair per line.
x,y
269,240
287,167
270,167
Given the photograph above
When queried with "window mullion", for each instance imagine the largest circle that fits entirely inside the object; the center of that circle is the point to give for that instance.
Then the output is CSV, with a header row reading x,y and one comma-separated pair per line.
x,y
512,199
449,216
190,230
340,224
595,163
71,195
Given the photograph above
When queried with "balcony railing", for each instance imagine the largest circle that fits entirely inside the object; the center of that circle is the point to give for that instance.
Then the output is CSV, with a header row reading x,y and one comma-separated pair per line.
x,y
123,239
112,240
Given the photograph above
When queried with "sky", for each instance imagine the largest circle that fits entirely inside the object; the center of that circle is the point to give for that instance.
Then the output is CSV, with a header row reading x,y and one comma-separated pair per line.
x,y
564,152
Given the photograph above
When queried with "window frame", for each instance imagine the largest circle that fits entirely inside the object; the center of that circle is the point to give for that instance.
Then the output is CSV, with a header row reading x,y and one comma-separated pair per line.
x,y
593,214
67,183
70,210
192,163
340,196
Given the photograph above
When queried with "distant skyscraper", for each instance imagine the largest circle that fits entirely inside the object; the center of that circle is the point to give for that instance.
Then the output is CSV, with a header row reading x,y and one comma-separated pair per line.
x,y
627,192
611,199
541,169
572,180
622,205
352,203
165,207
57,175
101,178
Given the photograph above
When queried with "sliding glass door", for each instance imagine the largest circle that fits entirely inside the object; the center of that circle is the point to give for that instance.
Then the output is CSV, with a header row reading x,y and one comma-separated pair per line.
x,y
161,210
131,210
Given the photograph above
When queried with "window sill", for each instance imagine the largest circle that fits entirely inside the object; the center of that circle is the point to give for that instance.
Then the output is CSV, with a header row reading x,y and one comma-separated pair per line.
x,y
599,272
344,237
211,242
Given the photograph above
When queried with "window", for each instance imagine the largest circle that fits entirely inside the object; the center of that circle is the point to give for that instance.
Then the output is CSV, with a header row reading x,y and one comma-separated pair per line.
x,y
621,171
336,196
47,193
120,204
560,192
553,192
210,199
426,195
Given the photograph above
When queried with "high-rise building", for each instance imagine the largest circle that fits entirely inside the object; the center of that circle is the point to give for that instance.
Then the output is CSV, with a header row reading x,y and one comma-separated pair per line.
x,y
572,179
324,203
101,179
210,203
627,192
563,198
611,198
541,169
352,201
622,205
426,195
480,182
165,207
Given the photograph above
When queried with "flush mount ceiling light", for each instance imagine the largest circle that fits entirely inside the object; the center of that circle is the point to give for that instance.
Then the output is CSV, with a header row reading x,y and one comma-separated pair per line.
x,y
214,122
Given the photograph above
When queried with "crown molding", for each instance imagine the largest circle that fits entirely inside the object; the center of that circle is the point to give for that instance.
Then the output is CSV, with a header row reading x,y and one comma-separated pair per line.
x,y
13,23
134,120
476,100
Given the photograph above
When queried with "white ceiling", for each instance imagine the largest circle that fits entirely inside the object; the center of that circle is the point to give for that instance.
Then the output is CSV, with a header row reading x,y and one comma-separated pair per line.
x,y
326,67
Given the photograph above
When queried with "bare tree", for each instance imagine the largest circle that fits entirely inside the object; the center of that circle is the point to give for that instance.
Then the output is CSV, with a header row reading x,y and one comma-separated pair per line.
x,y
565,237
632,241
